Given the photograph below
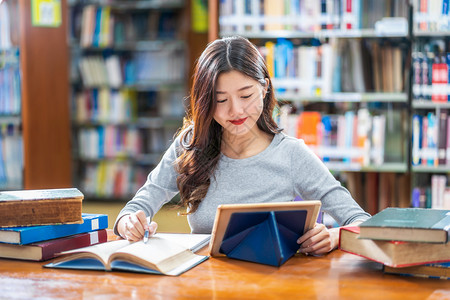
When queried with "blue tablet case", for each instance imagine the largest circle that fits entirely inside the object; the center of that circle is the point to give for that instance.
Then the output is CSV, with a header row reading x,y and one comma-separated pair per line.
x,y
263,237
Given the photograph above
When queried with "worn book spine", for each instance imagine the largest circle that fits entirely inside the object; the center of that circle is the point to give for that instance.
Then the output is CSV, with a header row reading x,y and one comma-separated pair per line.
x,y
436,271
392,253
49,249
31,234
40,207
408,224
52,247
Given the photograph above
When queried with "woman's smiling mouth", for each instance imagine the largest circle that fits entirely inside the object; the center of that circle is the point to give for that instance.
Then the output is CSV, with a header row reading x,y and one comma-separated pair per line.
x,y
238,121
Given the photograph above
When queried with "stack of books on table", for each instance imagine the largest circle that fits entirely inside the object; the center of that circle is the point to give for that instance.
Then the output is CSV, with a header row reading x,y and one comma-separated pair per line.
x,y
38,224
407,241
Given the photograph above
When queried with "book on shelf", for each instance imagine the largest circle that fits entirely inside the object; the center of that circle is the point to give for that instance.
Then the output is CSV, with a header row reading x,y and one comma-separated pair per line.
x,y
40,207
408,224
46,250
350,138
252,16
272,9
395,137
10,82
30,234
142,68
164,253
308,127
432,136
264,233
336,66
416,157
436,270
5,25
439,192
117,179
431,65
431,139
392,253
430,16
11,155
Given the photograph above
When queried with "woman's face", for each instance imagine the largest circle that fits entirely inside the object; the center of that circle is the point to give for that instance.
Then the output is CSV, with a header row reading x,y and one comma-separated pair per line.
x,y
239,102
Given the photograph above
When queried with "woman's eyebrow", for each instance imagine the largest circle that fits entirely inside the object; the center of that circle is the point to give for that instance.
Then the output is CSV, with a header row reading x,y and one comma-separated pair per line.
x,y
241,89
245,87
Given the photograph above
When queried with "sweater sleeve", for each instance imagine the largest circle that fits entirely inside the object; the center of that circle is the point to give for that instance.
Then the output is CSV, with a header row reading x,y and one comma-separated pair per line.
x,y
159,188
313,181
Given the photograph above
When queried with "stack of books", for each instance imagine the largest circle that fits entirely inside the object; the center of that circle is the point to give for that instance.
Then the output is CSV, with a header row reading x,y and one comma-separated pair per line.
x,y
407,241
37,224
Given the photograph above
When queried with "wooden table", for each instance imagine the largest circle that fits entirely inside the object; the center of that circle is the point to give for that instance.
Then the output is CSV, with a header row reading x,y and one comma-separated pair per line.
x,y
337,275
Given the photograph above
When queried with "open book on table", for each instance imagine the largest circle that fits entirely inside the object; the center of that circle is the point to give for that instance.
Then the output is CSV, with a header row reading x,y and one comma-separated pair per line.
x,y
164,253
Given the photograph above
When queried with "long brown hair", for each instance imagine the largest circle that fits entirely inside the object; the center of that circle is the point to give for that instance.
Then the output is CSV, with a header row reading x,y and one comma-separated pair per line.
x,y
201,141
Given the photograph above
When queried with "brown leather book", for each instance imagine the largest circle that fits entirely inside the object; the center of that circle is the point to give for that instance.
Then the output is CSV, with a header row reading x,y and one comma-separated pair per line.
x,y
40,207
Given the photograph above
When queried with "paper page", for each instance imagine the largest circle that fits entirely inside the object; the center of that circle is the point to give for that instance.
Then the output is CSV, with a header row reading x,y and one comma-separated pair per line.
x,y
190,241
101,251
158,253
155,251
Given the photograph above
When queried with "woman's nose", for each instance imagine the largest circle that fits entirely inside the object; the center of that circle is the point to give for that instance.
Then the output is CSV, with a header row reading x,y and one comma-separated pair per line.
x,y
236,108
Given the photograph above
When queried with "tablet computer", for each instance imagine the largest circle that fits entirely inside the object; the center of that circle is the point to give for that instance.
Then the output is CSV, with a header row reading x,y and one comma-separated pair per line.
x,y
262,232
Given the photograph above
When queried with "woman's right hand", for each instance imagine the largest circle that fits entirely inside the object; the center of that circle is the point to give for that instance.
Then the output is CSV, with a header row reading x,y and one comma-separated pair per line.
x,y
132,227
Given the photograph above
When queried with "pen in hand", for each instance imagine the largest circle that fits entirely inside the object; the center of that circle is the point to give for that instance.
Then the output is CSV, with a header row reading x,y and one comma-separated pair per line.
x,y
146,233
146,236
150,230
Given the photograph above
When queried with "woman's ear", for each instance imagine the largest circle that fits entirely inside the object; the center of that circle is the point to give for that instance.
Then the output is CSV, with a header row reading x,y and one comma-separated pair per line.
x,y
266,87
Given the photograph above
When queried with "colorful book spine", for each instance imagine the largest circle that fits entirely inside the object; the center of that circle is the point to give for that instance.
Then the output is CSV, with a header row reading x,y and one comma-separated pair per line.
x,y
5,26
431,139
417,58
317,70
355,139
31,234
46,250
431,16
435,195
416,139
431,271
10,82
271,15
116,142
114,179
432,132
442,136
448,76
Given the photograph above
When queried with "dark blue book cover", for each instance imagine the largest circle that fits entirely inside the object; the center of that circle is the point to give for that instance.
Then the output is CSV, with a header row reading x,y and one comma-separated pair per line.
x,y
408,224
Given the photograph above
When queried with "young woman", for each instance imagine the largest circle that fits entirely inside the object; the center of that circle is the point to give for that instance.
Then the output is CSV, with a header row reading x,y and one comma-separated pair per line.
x,y
231,151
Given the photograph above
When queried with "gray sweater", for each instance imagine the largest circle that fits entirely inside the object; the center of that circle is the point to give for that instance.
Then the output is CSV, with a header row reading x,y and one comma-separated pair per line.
x,y
285,169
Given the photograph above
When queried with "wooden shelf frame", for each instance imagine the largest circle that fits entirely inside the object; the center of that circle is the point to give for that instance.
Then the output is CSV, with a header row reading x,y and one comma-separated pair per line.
x,y
45,102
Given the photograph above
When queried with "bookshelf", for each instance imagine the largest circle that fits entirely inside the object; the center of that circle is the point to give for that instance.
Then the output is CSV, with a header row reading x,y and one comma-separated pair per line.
x,y
11,158
35,128
129,75
343,66
430,104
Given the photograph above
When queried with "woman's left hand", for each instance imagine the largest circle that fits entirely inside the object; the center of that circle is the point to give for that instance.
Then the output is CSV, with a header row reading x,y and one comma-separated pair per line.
x,y
319,240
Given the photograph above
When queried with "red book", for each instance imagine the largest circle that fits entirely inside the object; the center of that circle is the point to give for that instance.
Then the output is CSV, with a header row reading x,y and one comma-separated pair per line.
x,y
423,26
48,249
392,253
348,10
435,79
